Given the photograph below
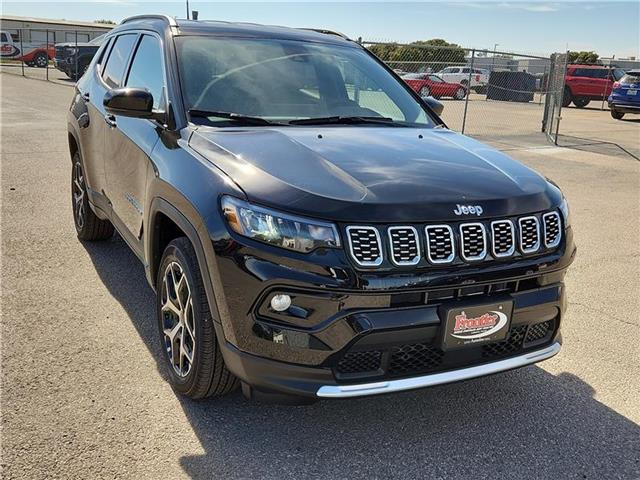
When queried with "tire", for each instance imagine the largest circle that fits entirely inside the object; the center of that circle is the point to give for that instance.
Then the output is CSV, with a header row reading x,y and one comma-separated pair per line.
x,y
460,93
581,102
184,319
41,60
424,91
88,226
567,97
616,114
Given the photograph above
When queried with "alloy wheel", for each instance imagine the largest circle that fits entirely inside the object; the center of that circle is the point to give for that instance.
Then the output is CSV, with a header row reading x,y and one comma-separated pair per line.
x,y
178,323
78,195
425,92
42,60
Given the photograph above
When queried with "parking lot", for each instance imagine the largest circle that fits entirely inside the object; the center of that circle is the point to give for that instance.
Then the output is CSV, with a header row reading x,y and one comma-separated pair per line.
x,y
83,394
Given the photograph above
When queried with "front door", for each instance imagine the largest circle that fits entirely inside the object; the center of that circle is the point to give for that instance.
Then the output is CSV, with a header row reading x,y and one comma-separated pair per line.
x,y
130,141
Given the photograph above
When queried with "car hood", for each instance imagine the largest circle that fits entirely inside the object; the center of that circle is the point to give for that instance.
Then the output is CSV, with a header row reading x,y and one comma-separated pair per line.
x,y
385,174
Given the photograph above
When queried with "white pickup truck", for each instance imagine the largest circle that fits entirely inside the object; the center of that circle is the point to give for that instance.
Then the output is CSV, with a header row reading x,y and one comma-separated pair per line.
x,y
35,54
479,77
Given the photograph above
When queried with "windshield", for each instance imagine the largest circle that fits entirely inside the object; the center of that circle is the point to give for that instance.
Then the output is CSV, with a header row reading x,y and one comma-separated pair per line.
x,y
284,80
629,79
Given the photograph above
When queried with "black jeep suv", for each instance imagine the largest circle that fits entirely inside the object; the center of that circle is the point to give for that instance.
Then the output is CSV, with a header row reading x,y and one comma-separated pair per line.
x,y
310,226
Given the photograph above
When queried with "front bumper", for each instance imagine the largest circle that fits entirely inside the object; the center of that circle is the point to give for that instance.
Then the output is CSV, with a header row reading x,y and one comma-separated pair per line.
x,y
346,317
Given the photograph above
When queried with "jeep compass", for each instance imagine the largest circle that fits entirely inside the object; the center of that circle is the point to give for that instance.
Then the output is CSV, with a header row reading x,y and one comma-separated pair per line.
x,y
310,226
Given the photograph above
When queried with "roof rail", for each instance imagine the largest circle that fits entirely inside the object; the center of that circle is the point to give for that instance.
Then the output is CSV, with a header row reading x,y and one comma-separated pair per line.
x,y
327,32
170,20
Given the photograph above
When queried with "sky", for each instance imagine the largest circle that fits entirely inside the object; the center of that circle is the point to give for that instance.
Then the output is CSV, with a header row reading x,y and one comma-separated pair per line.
x,y
535,27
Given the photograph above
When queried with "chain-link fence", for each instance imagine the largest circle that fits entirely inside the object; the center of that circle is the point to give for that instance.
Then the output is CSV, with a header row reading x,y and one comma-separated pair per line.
x,y
59,55
486,93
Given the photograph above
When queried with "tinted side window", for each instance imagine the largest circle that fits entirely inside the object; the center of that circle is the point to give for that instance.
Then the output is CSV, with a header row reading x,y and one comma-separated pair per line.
x,y
117,61
465,70
3,37
146,69
601,74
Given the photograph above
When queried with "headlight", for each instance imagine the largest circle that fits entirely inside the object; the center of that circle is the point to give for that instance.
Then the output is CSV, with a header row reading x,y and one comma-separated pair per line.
x,y
564,210
279,229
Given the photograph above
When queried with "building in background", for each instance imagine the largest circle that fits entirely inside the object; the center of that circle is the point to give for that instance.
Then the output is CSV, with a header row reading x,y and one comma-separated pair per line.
x,y
42,30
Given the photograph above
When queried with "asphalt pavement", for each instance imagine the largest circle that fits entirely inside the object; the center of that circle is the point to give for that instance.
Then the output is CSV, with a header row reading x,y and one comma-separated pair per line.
x,y
84,396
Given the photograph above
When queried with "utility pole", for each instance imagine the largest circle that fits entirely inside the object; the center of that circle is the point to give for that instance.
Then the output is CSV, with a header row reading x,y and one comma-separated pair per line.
x,y
493,59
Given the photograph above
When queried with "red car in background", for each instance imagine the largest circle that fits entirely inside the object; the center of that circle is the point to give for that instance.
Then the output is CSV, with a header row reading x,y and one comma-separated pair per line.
x,y
584,83
428,84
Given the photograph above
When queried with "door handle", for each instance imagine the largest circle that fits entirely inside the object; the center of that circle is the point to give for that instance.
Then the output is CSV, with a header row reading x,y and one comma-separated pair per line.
x,y
110,120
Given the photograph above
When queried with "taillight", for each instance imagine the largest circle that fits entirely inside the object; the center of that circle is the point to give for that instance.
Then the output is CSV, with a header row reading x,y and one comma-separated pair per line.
x,y
616,84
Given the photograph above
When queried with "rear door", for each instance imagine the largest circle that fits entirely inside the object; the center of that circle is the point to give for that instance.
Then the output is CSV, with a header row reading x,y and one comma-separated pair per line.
x,y
129,141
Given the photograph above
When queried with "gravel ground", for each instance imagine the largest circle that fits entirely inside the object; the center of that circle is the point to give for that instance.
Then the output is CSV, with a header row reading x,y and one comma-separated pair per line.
x,y
84,396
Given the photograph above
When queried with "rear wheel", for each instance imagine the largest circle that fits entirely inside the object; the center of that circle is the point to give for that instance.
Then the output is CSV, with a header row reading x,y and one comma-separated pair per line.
x,y
616,114
195,364
425,92
581,102
41,59
567,97
88,225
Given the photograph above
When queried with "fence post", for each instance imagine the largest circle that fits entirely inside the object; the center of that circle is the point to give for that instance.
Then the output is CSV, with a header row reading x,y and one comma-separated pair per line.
x,y
564,76
604,90
544,82
21,51
47,47
466,99
76,55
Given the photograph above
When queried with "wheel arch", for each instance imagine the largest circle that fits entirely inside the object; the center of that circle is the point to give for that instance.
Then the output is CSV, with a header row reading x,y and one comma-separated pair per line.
x,y
166,222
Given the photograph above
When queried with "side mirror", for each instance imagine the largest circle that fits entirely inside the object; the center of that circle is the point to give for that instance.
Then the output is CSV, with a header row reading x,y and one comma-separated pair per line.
x,y
435,105
131,102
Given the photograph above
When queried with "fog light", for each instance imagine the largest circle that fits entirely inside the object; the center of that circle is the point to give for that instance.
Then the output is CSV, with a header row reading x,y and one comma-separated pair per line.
x,y
280,303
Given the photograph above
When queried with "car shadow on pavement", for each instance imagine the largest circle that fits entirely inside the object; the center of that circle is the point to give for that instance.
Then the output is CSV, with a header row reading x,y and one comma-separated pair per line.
x,y
526,423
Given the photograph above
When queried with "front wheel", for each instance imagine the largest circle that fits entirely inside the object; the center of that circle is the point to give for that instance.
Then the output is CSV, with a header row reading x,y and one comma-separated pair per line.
x,y
41,60
188,339
616,114
425,92
460,93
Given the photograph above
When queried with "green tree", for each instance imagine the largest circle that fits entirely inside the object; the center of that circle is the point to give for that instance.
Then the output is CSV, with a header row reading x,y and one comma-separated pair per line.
x,y
106,22
584,58
420,56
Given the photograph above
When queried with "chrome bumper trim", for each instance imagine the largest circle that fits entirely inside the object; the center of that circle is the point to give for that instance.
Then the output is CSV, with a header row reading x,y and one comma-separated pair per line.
x,y
375,388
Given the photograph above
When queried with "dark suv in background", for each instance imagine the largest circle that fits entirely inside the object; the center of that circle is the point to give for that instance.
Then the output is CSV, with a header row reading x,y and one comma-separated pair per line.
x,y
73,58
311,228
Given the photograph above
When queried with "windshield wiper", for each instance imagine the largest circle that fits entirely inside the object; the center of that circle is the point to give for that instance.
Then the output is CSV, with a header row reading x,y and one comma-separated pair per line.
x,y
236,117
343,120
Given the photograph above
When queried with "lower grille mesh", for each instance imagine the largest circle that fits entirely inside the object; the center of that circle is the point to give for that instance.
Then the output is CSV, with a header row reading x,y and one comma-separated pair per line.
x,y
414,358
360,362
539,331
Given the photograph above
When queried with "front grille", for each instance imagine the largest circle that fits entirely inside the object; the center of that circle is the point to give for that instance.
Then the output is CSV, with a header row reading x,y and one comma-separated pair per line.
x,y
504,243
551,224
405,248
473,241
440,243
365,245
418,357
398,246
539,331
360,362
529,234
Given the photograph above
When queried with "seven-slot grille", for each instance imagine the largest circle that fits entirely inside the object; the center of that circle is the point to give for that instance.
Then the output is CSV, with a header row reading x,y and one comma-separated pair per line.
x,y
365,245
470,242
504,241
405,248
551,223
529,234
473,241
440,247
